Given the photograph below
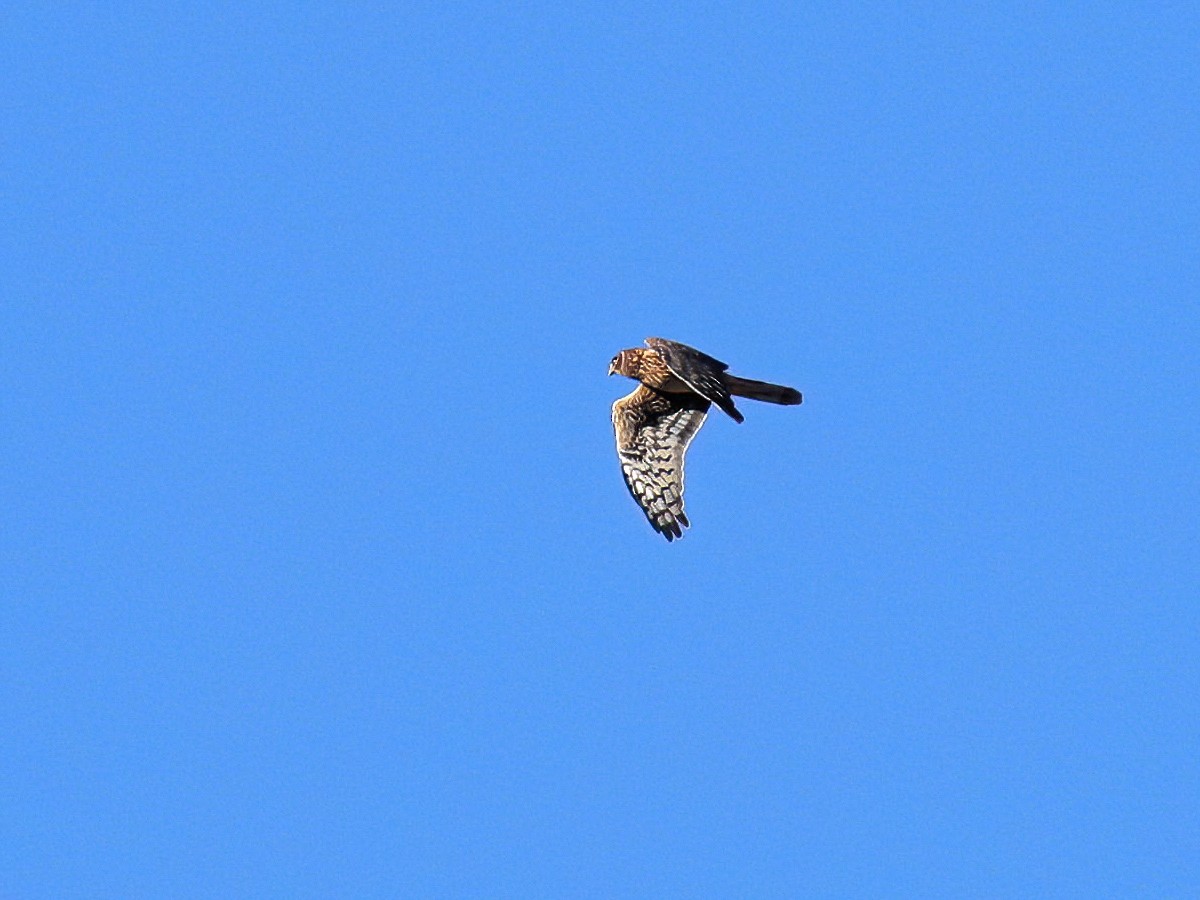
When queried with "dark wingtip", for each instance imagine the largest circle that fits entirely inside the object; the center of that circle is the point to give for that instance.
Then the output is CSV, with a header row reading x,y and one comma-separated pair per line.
x,y
671,529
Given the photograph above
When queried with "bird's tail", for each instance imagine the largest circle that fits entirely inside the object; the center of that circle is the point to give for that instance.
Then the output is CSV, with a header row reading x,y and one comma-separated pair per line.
x,y
762,390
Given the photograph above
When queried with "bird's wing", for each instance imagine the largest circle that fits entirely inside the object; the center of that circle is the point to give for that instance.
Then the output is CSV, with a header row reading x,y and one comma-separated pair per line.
x,y
699,371
653,432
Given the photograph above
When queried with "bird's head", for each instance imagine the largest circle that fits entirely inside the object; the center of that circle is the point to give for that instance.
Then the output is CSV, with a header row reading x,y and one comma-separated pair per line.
x,y
620,364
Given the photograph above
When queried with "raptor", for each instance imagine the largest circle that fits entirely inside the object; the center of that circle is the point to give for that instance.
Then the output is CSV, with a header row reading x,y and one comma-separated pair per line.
x,y
654,425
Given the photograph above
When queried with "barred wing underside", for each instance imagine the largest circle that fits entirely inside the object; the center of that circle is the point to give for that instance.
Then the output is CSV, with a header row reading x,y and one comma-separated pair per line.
x,y
653,432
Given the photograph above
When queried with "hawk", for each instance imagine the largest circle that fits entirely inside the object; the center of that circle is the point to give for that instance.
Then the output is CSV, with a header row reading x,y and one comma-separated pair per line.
x,y
655,423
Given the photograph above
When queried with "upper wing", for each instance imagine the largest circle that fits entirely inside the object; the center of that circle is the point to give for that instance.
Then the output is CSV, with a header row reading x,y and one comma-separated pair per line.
x,y
699,371
653,432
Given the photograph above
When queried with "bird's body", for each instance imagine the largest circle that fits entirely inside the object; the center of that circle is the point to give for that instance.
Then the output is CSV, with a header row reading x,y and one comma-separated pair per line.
x,y
656,423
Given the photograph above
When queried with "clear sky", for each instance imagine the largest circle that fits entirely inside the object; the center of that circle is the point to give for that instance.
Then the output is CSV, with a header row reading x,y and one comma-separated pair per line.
x,y
318,574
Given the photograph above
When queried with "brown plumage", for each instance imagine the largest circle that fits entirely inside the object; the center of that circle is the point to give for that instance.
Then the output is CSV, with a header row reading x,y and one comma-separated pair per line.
x,y
656,423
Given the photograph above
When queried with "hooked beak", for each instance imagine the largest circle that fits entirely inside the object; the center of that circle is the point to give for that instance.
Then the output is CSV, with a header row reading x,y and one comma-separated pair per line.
x,y
612,369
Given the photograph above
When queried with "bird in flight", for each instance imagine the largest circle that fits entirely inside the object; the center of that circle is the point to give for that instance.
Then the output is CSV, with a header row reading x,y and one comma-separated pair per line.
x,y
656,423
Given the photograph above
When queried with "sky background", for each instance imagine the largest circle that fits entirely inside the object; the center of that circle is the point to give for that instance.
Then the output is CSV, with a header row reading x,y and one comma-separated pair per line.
x,y
318,575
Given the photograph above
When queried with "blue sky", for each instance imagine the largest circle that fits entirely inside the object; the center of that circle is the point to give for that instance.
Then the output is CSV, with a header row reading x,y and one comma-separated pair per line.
x,y
319,576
